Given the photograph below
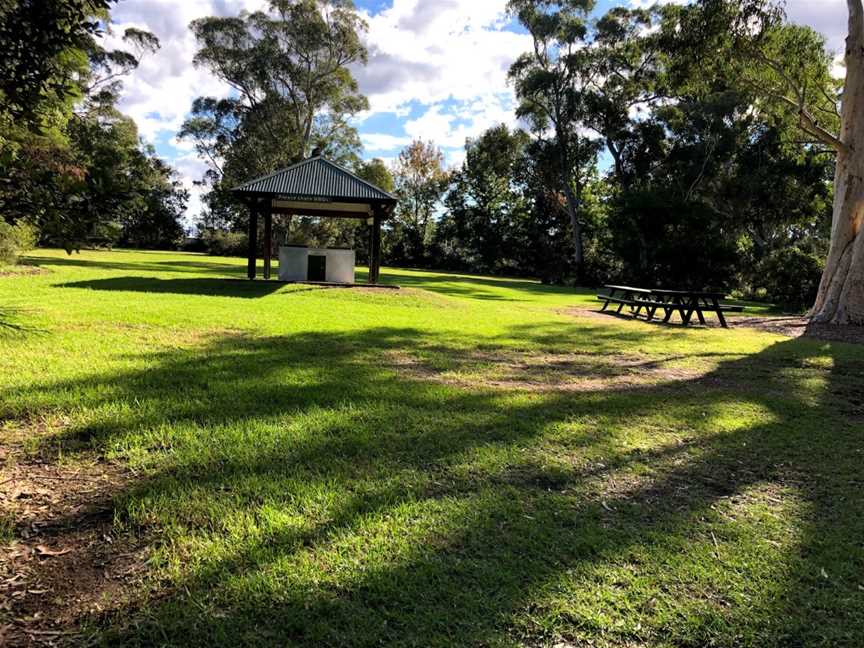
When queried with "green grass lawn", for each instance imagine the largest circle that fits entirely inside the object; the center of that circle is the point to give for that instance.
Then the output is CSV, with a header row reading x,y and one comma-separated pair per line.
x,y
459,463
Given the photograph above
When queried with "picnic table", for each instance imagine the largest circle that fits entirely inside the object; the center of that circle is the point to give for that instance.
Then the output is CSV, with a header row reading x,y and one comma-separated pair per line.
x,y
684,302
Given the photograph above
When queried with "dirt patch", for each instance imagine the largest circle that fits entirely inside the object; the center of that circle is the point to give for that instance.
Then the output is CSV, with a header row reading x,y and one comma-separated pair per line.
x,y
796,326
576,372
789,325
597,315
21,271
63,560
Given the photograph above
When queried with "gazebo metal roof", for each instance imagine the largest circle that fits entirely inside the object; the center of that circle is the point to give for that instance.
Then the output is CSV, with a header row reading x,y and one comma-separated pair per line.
x,y
315,179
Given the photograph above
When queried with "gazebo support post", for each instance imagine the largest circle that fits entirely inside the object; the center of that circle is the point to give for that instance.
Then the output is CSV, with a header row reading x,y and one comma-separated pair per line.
x,y
253,241
268,241
375,248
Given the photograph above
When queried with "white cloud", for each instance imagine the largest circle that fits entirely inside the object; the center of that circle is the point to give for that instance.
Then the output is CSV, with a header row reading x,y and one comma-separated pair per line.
x,y
185,145
449,57
828,17
449,125
190,168
437,70
384,141
160,92
431,51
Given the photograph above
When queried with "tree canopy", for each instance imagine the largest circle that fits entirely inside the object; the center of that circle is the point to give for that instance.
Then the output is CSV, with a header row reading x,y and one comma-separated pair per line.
x,y
71,165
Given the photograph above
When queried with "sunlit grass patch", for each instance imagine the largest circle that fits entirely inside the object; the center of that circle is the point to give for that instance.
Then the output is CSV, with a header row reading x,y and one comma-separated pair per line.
x,y
460,462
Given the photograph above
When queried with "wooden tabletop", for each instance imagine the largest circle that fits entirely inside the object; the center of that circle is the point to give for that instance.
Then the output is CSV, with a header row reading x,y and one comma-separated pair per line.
x,y
663,291
646,291
689,293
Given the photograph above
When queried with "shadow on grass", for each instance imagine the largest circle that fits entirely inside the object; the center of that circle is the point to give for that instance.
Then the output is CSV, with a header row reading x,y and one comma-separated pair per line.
x,y
13,322
193,286
205,264
451,284
475,287
319,499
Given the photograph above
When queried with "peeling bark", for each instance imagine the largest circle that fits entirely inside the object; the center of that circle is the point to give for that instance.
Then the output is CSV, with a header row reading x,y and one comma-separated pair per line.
x,y
841,291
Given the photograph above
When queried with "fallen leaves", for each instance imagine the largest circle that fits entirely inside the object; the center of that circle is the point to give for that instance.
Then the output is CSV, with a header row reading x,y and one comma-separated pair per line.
x,y
42,550
61,557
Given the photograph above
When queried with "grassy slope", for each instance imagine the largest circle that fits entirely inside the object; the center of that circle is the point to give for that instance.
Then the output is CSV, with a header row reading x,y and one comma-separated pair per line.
x,y
309,489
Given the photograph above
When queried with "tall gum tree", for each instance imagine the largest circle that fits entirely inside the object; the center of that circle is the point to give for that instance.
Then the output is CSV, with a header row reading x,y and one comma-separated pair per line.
x,y
789,66
841,293
551,82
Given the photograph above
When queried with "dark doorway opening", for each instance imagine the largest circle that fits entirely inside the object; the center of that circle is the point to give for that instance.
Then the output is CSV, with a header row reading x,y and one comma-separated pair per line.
x,y
317,270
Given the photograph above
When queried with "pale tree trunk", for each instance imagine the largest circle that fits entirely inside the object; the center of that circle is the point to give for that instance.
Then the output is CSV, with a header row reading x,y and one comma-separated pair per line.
x,y
575,226
572,205
841,291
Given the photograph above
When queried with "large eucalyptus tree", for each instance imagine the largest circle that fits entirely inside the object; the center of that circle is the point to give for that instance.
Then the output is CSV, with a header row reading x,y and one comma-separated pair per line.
x,y
551,81
289,70
790,68
841,293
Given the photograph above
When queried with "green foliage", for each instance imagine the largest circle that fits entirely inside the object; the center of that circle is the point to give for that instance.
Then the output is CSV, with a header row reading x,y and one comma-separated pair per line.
x,y
667,241
376,172
483,204
289,68
709,175
551,83
222,243
100,188
150,219
44,45
709,180
702,168
70,164
505,215
15,239
790,277
420,181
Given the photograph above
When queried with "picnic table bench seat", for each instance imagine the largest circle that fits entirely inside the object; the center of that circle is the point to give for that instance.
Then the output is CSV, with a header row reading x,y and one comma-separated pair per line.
x,y
685,302
632,302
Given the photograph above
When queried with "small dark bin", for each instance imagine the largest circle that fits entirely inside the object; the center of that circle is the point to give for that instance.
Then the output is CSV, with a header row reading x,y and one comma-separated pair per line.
x,y
317,270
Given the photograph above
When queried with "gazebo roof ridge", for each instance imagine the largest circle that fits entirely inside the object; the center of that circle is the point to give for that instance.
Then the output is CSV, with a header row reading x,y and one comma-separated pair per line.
x,y
327,178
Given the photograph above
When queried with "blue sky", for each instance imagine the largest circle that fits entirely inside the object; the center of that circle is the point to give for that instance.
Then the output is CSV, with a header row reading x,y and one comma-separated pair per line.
x,y
437,70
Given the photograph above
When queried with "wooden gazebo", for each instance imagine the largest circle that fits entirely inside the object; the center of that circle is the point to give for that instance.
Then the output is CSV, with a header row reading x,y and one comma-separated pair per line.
x,y
314,187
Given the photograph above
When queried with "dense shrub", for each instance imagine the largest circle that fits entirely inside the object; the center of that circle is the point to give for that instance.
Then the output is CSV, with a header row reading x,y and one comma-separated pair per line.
x,y
790,277
15,239
222,243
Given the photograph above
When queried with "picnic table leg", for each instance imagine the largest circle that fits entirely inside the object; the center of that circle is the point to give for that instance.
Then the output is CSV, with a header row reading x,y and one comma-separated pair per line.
x,y
685,318
634,310
607,302
699,313
677,305
669,309
719,312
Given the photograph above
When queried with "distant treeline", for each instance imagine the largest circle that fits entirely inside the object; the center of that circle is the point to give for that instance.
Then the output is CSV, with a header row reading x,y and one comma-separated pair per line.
x,y
650,146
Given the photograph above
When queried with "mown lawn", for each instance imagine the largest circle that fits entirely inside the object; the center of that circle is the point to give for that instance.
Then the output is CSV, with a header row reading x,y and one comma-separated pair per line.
x,y
459,463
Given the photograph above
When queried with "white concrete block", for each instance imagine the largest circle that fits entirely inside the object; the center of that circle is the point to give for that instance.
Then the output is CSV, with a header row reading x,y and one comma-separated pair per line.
x,y
340,265
294,263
